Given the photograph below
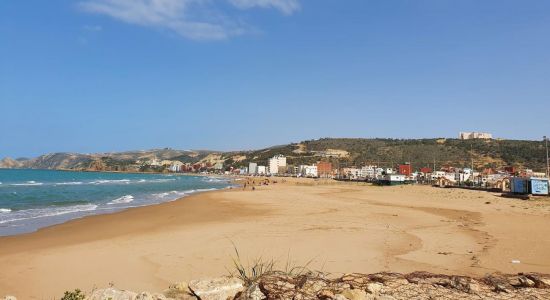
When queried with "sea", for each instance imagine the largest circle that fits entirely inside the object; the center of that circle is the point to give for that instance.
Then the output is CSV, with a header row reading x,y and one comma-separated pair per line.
x,y
33,199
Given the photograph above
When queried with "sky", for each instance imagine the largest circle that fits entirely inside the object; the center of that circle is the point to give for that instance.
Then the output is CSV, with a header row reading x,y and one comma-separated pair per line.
x,y
111,75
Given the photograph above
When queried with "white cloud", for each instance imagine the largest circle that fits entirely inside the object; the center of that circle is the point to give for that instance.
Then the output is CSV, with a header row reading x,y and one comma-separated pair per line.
x,y
286,6
194,19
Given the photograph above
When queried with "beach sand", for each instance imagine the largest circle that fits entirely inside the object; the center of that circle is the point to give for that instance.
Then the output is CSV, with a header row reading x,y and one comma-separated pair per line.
x,y
339,227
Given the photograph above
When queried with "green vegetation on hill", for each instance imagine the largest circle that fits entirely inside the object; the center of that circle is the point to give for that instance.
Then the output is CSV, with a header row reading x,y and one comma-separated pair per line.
x,y
419,152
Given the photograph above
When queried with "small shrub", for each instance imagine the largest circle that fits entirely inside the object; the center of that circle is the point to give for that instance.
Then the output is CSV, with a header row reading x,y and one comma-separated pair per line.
x,y
74,295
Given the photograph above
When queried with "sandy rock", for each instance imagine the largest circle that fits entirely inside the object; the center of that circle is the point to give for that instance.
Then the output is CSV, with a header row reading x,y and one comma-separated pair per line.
x,y
312,285
179,286
9,298
356,295
385,297
374,288
148,296
254,293
179,291
217,288
325,294
112,294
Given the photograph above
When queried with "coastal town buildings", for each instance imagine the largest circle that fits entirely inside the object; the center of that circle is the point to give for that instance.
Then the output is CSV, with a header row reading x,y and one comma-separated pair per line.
x,y
474,135
277,164
308,171
352,173
176,166
324,169
262,170
405,169
252,168
368,171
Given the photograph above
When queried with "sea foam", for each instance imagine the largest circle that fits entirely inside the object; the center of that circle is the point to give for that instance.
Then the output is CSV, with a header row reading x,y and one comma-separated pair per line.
x,y
122,200
36,213
28,183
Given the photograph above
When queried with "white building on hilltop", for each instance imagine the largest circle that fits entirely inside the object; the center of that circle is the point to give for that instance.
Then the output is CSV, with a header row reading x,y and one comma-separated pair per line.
x,y
276,163
475,135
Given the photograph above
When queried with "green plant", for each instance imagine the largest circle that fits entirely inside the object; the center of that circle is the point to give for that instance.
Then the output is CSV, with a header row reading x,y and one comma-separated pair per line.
x,y
251,272
74,295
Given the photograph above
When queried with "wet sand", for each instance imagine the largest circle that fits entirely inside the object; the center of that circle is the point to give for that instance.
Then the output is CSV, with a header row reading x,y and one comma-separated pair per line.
x,y
340,228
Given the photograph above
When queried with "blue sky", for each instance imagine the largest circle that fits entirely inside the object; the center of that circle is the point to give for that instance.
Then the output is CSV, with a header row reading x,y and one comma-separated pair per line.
x,y
110,75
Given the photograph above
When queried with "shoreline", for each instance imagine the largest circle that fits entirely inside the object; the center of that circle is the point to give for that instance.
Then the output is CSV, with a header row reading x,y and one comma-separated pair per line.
x,y
47,235
17,222
51,227
340,228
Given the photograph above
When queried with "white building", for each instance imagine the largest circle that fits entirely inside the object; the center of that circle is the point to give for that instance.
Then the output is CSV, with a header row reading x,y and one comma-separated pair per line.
x,y
368,171
308,171
441,174
352,173
474,135
262,170
252,168
395,178
276,163
176,166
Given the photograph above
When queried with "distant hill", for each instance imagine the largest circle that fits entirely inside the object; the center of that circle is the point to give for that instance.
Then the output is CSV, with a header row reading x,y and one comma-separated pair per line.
x,y
419,152
341,151
117,161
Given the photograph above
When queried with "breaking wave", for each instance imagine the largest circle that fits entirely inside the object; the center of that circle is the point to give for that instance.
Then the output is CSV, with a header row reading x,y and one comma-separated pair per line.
x,y
122,200
28,183
46,212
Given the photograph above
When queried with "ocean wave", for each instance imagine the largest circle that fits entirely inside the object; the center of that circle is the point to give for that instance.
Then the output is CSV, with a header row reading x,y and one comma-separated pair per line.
x,y
28,183
178,194
70,183
215,179
122,200
4,210
36,213
111,181
160,180
171,193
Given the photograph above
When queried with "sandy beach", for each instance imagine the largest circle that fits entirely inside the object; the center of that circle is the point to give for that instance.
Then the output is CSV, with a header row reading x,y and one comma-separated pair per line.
x,y
339,227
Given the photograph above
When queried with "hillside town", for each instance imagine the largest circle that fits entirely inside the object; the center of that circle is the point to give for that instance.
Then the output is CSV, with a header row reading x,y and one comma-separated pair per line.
x,y
512,179
508,179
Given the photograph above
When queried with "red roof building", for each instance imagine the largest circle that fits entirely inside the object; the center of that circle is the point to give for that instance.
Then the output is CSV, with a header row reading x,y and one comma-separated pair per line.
x,y
324,169
405,170
426,170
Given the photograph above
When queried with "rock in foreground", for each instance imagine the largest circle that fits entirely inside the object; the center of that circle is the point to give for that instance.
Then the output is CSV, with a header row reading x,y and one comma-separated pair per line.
x,y
379,286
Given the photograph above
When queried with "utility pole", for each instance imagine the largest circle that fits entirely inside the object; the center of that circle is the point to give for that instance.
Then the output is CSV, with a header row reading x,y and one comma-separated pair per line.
x,y
547,161
472,156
